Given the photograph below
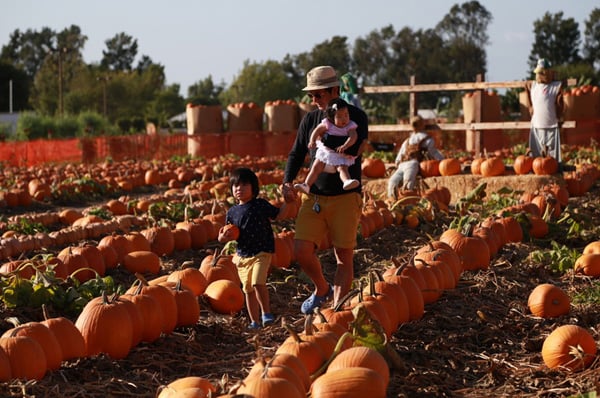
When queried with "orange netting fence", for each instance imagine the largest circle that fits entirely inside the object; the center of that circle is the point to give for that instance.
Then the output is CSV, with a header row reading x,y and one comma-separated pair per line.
x,y
89,150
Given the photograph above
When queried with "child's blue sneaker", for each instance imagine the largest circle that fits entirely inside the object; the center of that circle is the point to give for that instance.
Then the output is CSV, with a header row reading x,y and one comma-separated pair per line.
x,y
268,319
314,301
253,325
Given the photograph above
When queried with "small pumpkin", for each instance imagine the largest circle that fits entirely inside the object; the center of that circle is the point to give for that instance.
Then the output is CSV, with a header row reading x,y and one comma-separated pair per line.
x,y
449,167
548,301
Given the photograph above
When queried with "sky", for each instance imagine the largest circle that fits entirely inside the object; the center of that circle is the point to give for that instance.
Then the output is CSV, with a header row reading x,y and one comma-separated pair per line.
x,y
197,39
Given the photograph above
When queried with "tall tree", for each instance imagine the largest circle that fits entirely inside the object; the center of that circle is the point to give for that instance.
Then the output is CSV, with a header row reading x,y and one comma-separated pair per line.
x,y
334,52
591,39
464,30
557,39
120,52
61,63
28,50
373,56
466,22
259,83
205,92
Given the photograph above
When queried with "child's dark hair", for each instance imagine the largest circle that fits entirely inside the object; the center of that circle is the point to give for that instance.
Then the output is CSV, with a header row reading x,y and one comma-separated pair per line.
x,y
333,106
245,176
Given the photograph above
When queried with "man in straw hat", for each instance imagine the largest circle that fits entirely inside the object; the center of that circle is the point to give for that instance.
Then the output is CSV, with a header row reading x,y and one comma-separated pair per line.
x,y
328,211
417,147
545,107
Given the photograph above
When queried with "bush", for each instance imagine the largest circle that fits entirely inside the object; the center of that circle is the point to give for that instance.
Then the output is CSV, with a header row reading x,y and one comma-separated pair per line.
x,y
66,127
31,126
124,125
93,124
138,124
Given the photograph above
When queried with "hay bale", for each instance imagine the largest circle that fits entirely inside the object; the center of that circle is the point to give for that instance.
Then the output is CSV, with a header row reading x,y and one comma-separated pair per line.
x,y
461,184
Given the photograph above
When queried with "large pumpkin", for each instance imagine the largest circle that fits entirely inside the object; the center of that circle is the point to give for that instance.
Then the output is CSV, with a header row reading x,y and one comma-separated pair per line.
x,y
106,328
26,356
569,347
361,356
225,296
354,382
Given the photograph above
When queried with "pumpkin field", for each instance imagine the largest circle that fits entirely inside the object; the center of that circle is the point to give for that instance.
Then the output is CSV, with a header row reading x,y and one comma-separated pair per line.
x,y
113,284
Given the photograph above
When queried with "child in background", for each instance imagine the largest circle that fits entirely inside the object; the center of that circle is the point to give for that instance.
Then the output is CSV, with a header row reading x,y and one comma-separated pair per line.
x,y
414,149
255,244
335,134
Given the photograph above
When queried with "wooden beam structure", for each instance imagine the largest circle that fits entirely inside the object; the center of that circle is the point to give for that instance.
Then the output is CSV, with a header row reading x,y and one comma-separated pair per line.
x,y
475,127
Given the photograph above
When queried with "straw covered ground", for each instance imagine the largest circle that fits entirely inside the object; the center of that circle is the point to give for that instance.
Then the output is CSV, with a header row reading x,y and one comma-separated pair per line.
x,y
477,340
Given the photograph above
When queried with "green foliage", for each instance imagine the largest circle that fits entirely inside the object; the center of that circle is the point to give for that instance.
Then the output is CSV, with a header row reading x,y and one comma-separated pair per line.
x,y
44,288
138,124
588,295
66,127
205,92
31,127
260,83
92,124
559,258
26,226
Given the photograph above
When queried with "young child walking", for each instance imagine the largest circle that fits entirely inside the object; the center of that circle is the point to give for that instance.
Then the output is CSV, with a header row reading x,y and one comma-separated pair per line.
x,y
335,134
255,244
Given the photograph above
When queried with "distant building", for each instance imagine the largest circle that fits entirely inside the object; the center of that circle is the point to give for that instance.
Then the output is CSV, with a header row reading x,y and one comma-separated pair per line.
x,y
8,121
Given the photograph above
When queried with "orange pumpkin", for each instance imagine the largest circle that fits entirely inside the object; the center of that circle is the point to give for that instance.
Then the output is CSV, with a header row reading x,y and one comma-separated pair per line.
x,y
449,167
142,261
523,164
569,347
184,383
97,323
493,166
26,356
373,168
352,382
225,296
544,165
588,264
548,301
361,356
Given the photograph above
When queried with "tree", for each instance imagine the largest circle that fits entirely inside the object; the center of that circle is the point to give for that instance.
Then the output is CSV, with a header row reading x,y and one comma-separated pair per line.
x,y
464,30
591,39
166,103
259,83
205,92
120,52
556,39
334,52
28,50
373,56
467,22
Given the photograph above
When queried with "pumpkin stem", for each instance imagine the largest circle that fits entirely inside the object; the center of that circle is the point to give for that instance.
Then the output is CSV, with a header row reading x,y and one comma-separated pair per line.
x,y
349,295
291,331
335,353
309,329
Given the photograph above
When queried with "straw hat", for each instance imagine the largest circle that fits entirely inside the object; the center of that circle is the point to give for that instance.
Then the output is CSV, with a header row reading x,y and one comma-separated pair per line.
x,y
321,77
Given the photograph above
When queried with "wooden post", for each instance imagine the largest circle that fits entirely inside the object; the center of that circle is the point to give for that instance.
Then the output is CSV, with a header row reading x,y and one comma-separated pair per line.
x,y
413,105
478,103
